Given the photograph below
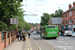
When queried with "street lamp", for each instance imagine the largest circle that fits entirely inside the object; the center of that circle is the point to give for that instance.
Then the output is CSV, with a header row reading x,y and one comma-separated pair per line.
x,y
59,15
16,24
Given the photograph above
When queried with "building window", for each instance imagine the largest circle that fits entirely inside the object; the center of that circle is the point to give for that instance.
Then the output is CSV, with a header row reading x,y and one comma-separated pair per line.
x,y
66,15
70,13
74,21
63,15
74,12
66,21
70,21
63,22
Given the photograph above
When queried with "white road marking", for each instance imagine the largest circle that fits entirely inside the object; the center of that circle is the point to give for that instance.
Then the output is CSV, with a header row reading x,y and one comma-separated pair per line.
x,y
64,38
62,42
73,41
61,47
51,42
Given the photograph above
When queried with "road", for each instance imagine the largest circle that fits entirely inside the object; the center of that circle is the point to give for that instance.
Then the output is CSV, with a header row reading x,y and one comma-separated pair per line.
x,y
61,43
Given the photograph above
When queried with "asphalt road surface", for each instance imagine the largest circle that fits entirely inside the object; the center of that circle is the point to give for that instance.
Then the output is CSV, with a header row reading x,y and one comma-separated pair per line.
x,y
61,43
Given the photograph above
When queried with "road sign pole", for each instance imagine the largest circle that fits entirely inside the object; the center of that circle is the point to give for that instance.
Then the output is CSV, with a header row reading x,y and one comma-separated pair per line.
x,y
13,32
16,24
59,18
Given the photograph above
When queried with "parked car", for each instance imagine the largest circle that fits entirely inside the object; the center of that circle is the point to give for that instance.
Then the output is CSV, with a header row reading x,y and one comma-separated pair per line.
x,y
68,32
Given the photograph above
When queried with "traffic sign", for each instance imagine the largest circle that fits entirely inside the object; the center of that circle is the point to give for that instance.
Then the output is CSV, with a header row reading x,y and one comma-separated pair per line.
x,y
13,20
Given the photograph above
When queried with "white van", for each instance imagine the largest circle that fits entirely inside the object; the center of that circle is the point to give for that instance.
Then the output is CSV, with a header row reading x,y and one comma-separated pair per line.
x,y
68,32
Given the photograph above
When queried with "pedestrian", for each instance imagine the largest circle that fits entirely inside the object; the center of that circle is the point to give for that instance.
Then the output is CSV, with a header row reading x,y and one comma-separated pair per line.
x,y
24,34
21,36
29,34
18,35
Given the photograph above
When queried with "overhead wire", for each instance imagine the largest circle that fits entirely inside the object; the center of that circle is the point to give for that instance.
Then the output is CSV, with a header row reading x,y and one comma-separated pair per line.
x,y
36,6
29,10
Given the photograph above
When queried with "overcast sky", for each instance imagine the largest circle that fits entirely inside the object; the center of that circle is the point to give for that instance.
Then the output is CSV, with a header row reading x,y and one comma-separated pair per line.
x,y
43,6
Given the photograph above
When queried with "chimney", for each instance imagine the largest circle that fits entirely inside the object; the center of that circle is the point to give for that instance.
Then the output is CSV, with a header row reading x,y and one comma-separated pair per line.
x,y
74,4
69,6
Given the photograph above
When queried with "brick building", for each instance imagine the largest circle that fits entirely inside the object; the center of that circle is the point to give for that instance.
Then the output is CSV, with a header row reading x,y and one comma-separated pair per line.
x,y
68,17
32,28
38,26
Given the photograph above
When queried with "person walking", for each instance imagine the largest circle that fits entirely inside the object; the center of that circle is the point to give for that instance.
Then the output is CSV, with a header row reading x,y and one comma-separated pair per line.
x,y
18,35
29,34
21,36
24,34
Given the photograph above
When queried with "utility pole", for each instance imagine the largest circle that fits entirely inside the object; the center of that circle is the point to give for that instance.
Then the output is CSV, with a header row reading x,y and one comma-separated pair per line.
x,y
16,24
59,16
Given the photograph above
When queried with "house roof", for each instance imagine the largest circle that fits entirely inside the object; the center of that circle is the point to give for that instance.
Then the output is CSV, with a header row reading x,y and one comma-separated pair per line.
x,y
55,20
73,8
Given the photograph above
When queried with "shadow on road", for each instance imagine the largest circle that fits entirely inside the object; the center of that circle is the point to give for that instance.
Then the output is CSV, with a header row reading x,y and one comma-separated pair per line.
x,y
66,36
50,39
44,39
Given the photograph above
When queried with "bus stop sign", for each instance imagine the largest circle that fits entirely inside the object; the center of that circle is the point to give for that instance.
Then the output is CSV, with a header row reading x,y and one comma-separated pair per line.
x,y
13,20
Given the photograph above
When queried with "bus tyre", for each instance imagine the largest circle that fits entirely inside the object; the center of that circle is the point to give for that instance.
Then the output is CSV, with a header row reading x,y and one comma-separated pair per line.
x,y
54,37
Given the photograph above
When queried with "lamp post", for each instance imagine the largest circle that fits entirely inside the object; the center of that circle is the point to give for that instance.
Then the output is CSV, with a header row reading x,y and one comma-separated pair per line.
x,y
59,16
16,24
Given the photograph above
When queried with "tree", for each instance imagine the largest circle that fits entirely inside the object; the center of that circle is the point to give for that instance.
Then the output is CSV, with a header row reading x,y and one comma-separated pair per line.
x,y
44,19
23,24
10,9
52,15
56,14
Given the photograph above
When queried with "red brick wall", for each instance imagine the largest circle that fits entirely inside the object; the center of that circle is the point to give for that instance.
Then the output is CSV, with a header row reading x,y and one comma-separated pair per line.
x,y
67,18
7,41
2,45
71,17
14,36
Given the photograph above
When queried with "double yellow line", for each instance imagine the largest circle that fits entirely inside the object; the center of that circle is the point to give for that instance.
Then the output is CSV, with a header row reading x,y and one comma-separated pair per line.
x,y
28,45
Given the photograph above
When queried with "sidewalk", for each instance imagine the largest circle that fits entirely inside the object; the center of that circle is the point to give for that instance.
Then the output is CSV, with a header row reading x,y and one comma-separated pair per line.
x,y
21,45
16,45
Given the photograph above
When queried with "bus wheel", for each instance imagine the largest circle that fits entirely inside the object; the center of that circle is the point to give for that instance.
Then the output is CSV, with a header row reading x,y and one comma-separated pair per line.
x,y
54,37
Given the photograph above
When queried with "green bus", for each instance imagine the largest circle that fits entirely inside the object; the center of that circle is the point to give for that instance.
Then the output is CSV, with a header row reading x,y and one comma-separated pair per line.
x,y
49,31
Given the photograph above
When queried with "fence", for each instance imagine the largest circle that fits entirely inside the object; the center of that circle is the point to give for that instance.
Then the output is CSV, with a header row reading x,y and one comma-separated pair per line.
x,y
6,39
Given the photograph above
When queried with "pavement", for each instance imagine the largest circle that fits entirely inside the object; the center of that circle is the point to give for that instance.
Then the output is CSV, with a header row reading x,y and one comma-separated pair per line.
x,y
19,45
22,45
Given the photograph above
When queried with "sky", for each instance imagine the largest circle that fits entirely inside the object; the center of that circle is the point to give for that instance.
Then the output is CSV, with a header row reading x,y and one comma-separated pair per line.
x,y
39,7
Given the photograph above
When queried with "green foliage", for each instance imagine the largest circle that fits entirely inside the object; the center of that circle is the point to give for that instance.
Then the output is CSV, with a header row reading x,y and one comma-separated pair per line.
x,y
23,24
27,26
10,9
56,14
44,19
0,3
